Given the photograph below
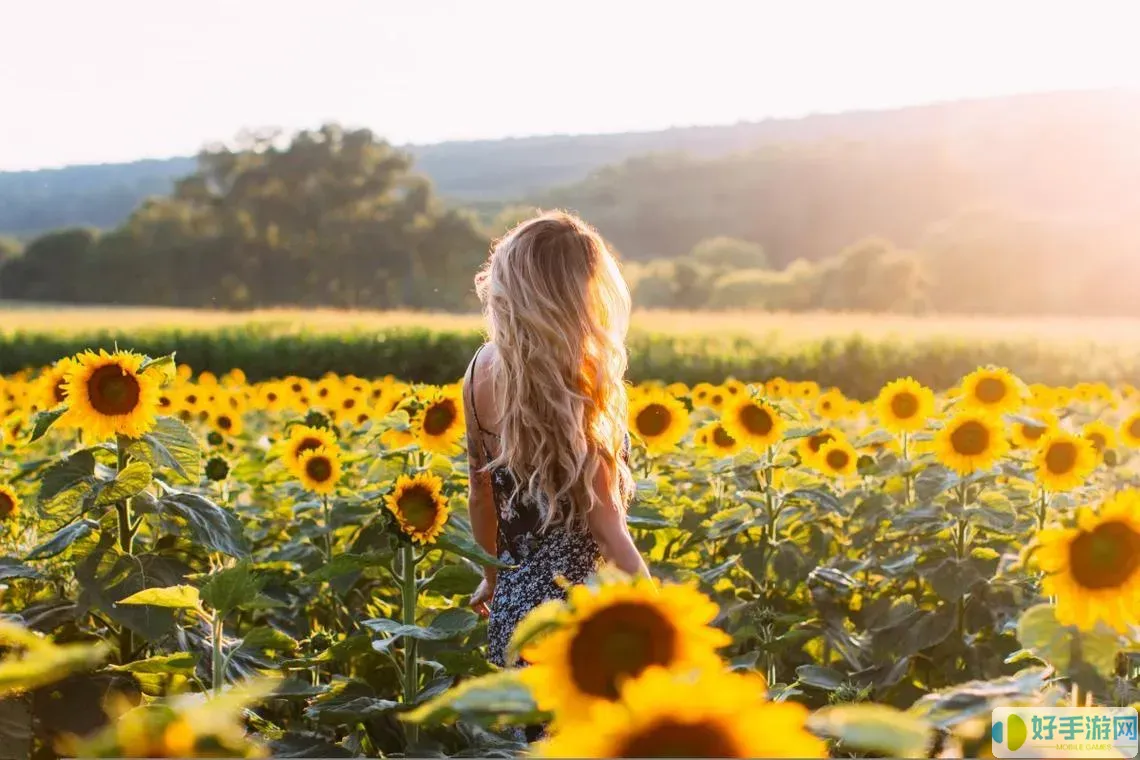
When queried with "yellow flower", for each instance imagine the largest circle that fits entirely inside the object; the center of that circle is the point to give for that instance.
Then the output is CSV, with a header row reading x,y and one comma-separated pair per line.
x,y
302,439
837,458
992,389
1101,435
1027,435
9,502
419,506
107,395
777,387
703,714
719,443
1093,569
677,390
904,405
701,395
1064,461
753,422
227,423
809,446
658,420
440,425
970,441
53,383
831,405
612,632
319,469
1130,430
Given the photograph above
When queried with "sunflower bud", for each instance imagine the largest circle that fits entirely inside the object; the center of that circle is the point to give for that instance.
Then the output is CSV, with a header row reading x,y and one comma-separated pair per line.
x,y
318,420
215,438
217,469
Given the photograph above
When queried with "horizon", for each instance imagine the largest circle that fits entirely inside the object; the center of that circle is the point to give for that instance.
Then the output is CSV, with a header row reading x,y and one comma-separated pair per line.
x,y
147,82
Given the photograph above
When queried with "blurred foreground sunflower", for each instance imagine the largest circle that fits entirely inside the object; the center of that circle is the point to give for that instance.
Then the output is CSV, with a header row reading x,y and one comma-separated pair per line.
x,y
970,441
720,715
1130,430
1093,569
612,632
108,395
418,504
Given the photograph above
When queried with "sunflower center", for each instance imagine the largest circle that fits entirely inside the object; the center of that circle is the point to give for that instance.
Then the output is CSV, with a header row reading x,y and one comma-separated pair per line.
x,y
1032,432
225,423
815,442
349,403
59,392
837,459
673,738
722,439
439,417
990,390
1098,441
717,399
970,439
1134,428
318,468
418,507
653,420
1105,557
1061,457
904,405
308,444
7,506
756,420
113,391
271,397
619,642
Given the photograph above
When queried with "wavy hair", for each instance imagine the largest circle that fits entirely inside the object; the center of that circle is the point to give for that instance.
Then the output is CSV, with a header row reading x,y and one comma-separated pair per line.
x,y
557,310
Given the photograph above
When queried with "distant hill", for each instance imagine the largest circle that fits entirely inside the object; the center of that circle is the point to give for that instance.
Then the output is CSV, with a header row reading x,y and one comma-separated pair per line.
x,y
989,131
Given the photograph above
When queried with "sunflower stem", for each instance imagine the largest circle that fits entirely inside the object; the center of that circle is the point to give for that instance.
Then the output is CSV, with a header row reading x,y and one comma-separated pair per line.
x,y
960,547
906,464
219,666
328,528
411,670
1042,509
126,545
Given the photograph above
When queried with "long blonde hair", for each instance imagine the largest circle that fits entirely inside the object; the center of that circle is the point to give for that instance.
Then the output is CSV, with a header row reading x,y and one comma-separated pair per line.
x,y
557,309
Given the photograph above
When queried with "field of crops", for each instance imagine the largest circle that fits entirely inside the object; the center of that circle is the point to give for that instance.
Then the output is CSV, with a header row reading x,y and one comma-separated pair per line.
x,y
204,563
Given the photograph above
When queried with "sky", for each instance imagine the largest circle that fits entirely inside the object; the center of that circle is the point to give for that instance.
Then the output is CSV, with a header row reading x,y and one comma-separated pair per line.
x,y
119,80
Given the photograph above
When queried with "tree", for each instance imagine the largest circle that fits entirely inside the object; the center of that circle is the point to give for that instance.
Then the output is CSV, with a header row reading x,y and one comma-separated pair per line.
x,y
729,253
54,267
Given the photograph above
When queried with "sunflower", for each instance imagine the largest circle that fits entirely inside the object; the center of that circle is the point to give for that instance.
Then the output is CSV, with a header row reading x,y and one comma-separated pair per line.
x,y
679,390
700,394
831,405
440,425
714,437
612,632
734,388
722,715
1101,435
53,383
992,389
837,458
227,423
107,395
319,469
777,387
9,502
419,506
904,405
659,420
970,441
1093,569
1064,461
1130,430
809,446
753,422
302,439
1028,431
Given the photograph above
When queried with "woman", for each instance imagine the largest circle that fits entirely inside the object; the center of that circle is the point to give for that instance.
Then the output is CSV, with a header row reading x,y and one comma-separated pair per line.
x,y
546,409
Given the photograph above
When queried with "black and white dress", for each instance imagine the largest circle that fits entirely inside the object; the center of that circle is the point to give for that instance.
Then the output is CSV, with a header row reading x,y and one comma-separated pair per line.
x,y
537,558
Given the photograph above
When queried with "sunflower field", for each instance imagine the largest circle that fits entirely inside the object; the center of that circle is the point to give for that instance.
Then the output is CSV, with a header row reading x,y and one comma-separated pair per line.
x,y
194,564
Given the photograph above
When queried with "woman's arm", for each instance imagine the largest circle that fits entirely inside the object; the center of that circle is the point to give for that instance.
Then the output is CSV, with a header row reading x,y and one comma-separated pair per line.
x,y
480,501
607,524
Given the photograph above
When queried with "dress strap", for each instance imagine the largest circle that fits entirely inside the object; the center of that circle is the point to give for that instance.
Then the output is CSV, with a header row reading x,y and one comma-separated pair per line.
x,y
471,402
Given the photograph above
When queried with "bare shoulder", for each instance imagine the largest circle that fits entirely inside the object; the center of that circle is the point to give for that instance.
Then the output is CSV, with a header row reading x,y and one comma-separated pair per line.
x,y
477,382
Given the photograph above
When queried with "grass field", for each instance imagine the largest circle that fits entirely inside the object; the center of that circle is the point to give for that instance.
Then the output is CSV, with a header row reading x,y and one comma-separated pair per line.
x,y
779,327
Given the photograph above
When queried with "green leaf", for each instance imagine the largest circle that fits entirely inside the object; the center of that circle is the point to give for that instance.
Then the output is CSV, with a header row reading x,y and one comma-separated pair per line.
x,y
63,488
1066,647
463,543
171,597
268,639
348,703
343,564
820,498
496,698
170,446
62,539
130,481
820,677
877,729
10,567
43,421
227,590
933,481
448,624
181,663
451,580
216,528
163,365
